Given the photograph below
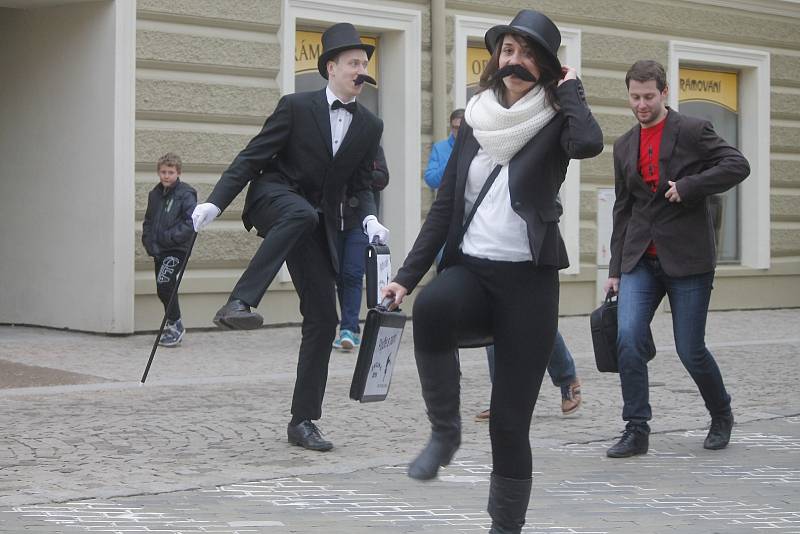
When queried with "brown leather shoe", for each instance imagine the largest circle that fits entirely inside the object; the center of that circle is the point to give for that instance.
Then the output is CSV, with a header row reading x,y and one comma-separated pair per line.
x,y
571,397
236,315
483,416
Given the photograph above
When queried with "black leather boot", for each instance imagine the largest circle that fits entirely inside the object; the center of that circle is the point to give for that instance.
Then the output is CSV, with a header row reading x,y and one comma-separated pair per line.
x,y
508,502
720,432
439,377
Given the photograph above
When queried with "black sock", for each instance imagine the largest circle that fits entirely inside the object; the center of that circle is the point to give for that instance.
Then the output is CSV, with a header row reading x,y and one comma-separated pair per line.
x,y
296,420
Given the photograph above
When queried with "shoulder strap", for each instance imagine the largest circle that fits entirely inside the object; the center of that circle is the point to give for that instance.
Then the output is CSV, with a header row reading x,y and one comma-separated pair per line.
x,y
485,189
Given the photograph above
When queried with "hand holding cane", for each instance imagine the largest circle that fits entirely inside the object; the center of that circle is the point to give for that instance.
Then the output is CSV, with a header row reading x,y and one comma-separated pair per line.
x,y
169,306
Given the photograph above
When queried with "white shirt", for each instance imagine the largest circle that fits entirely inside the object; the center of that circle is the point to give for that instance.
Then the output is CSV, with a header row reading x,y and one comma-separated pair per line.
x,y
496,232
340,120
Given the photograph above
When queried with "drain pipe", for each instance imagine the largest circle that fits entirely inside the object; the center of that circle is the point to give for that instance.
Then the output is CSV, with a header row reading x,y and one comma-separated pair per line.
x,y
439,70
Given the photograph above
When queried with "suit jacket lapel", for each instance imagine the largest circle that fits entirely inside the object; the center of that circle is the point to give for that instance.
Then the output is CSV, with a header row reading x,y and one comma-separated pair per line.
x,y
352,130
322,117
632,160
669,137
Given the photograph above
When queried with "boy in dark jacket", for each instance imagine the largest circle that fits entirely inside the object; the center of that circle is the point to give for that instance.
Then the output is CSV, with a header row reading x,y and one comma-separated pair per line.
x,y
167,230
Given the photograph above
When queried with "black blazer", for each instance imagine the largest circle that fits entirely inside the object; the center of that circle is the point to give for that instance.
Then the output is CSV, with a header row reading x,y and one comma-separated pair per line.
x,y
294,149
702,164
535,174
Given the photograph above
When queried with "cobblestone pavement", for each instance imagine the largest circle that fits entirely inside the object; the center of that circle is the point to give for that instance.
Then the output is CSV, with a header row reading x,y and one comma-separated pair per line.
x,y
202,446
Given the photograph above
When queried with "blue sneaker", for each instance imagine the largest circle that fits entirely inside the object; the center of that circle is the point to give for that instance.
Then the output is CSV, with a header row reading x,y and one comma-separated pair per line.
x,y
337,343
347,340
173,334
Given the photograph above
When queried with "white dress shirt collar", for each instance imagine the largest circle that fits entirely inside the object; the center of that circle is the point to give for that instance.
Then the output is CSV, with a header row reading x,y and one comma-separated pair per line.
x,y
340,121
332,97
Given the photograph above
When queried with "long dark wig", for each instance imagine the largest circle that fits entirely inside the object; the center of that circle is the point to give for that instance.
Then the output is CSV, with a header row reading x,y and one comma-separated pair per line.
x,y
549,71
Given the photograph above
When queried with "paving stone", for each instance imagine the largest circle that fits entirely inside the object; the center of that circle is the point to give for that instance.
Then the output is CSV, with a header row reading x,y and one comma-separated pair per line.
x,y
202,448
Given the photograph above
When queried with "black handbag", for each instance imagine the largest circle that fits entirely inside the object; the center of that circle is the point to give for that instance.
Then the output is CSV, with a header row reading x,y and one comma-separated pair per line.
x,y
603,322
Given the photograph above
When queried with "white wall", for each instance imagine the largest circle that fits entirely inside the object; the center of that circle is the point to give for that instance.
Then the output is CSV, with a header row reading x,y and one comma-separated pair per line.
x,y
66,171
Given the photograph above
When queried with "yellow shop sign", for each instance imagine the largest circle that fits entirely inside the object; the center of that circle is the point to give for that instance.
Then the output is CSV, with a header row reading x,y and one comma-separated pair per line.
x,y
476,61
308,48
720,88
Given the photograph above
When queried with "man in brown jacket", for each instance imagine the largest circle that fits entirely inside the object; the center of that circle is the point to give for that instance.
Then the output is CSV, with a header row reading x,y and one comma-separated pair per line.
x,y
666,168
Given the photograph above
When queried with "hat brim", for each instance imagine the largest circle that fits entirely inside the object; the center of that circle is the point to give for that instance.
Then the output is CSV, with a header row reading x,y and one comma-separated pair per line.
x,y
322,62
493,35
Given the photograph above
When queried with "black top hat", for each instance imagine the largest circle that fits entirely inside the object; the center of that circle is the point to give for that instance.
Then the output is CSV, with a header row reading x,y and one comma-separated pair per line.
x,y
336,39
533,25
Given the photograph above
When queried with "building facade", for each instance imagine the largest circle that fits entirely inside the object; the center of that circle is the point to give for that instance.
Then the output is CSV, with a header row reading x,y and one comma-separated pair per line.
x,y
95,92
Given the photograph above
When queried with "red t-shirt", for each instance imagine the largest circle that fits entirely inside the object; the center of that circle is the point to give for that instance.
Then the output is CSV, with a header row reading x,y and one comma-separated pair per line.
x,y
649,143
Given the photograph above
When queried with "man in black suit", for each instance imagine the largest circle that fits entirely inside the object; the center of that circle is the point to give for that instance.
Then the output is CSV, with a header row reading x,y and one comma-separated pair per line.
x,y
666,168
314,148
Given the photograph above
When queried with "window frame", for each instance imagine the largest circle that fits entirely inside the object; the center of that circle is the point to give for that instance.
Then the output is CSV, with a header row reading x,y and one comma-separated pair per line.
x,y
753,67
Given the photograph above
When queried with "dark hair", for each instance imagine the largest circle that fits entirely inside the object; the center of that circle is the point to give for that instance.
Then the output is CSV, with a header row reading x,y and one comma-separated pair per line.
x,y
645,70
169,159
457,114
549,73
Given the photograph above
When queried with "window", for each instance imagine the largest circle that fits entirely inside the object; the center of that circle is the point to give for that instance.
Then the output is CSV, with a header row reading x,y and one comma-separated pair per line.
x,y
714,95
751,67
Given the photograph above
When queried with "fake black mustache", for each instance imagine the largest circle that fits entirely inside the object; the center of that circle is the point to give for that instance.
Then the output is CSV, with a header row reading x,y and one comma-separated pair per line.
x,y
361,78
518,70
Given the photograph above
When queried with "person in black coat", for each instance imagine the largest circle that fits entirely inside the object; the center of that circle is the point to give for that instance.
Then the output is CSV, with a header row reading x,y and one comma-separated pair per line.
x,y
166,232
666,169
314,147
498,276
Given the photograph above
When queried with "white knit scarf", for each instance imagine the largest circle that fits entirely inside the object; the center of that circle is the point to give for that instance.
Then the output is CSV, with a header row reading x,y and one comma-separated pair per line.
x,y
503,131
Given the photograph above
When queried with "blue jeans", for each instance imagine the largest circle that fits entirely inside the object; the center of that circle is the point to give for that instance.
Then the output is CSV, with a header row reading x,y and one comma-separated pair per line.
x,y
640,293
561,367
351,246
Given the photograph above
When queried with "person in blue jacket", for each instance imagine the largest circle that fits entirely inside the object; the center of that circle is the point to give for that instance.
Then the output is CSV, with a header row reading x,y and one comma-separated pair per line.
x,y
440,151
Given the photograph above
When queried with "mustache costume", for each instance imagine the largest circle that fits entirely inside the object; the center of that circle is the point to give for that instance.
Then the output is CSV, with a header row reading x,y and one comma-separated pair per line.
x,y
361,78
517,70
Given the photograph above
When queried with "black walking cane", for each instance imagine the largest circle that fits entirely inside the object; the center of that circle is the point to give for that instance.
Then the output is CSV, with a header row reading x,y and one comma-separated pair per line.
x,y
171,300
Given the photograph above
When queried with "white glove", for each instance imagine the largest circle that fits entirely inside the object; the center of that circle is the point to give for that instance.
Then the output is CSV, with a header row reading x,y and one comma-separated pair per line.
x,y
203,214
375,230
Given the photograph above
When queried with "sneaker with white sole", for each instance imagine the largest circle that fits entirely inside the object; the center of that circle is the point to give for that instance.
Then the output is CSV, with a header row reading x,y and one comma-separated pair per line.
x,y
347,340
173,334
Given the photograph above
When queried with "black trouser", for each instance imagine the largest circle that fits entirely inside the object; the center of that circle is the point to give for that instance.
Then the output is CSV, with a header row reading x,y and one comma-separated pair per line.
x,y
283,217
516,303
295,233
168,265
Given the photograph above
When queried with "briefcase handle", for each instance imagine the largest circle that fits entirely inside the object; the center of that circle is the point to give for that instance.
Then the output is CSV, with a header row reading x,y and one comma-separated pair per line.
x,y
385,303
611,295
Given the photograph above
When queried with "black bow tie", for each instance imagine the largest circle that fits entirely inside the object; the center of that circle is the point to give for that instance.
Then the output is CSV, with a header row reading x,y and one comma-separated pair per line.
x,y
350,106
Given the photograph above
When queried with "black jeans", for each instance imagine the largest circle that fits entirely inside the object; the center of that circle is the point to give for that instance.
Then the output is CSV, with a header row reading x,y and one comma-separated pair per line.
x,y
517,304
167,267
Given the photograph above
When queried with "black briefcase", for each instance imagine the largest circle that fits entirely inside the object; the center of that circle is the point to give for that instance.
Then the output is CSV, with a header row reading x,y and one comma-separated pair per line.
x,y
604,334
378,270
383,331
380,343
